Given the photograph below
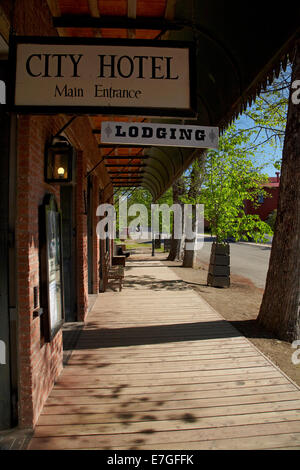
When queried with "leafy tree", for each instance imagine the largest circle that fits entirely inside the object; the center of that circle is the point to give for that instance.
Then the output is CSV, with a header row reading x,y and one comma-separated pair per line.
x,y
132,196
266,118
272,219
178,189
239,148
230,179
193,184
223,180
139,196
186,189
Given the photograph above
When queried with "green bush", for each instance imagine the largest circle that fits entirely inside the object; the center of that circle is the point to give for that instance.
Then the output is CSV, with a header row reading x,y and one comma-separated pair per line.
x,y
271,219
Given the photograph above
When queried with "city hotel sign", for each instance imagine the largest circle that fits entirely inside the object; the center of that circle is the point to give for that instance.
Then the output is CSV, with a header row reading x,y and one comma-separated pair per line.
x,y
153,78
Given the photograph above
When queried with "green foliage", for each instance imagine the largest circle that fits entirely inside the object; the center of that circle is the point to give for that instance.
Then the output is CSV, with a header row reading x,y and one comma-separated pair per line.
x,y
140,196
277,165
223,180
272,219
230,179
266,118
136,196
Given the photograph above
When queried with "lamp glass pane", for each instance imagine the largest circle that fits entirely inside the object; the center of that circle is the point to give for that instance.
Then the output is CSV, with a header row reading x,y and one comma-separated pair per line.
x,y
58,161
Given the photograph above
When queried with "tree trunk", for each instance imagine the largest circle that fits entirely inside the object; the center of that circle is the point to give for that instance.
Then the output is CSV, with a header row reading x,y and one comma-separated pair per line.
x,y
178,190
197,175
279,311
189,256
174,250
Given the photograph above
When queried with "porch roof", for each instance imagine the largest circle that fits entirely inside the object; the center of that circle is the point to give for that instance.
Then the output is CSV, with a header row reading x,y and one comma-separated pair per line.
x,y
240,48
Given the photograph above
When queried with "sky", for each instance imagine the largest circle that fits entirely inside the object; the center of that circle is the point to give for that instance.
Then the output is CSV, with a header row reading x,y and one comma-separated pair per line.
x,y
267,153
264,155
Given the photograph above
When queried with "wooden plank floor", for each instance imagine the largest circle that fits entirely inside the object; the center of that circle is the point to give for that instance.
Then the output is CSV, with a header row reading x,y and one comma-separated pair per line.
x,y
155,367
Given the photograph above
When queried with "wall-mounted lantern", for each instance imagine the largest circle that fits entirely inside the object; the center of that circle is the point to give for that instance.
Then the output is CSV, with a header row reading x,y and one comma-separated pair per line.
x,y
58,161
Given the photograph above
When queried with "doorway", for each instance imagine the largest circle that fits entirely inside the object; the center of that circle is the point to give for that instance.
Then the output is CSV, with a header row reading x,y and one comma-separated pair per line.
x,y
90,233
67,204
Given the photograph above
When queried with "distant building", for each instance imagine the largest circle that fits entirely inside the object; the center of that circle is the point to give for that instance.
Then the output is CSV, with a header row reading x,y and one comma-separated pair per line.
x,y
267,204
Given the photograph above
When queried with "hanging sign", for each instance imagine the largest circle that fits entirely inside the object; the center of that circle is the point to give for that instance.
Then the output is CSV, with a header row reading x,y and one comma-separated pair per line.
x,y
97,76
136,133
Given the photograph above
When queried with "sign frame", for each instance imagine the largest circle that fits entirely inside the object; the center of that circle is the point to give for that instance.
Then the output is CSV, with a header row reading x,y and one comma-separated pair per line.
x,y
159,134
190,112
51,327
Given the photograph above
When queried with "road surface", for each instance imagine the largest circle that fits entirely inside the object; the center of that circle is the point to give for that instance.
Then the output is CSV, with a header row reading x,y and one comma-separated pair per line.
x,y
246,259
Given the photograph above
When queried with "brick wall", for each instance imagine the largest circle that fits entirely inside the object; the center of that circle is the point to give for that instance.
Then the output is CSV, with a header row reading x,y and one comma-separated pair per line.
x,y
81,232
268,205
96,247
40,364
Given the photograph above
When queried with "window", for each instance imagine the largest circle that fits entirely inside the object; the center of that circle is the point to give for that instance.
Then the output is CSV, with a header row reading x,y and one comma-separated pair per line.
x,y
261,199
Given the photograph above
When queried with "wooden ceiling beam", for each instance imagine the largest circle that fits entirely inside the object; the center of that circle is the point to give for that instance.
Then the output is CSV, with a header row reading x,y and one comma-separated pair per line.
x,y
119,172
124,146
54,7
130,173
127,157
170,10
56,12
94,9
126,165
126,172
4,25
114,22
131,13
95,13
169,15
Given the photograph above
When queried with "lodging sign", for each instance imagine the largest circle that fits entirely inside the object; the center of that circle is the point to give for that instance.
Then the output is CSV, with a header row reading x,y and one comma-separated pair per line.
x,y
136,133
98,76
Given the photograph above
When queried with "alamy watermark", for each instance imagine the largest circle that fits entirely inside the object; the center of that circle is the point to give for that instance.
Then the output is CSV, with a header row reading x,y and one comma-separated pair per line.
x,y
188,222
296,354
2,352
296,94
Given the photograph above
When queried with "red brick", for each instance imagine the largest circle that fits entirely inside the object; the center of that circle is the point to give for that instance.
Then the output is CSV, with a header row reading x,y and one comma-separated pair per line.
x,y
41,365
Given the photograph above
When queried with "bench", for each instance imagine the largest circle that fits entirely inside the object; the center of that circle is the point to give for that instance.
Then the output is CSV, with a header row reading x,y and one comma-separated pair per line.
x,y
118,260
120,250
114,273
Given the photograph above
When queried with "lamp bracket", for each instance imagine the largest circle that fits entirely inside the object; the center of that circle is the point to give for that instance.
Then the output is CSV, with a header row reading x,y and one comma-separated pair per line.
x,y
64,127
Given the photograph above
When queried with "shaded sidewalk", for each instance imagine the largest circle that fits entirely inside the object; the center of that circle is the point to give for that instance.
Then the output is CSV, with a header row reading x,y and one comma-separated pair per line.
x,y
155,367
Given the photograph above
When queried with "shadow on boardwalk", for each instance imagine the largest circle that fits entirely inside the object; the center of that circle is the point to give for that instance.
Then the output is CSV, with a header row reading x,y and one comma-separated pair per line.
x,y
158,368
92,337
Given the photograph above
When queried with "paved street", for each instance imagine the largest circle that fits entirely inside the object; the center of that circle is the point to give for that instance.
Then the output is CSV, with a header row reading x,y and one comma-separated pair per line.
x,y
246,259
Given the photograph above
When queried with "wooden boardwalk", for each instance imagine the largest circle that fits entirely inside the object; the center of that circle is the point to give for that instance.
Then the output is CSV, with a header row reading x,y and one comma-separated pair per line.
x,y
155,367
